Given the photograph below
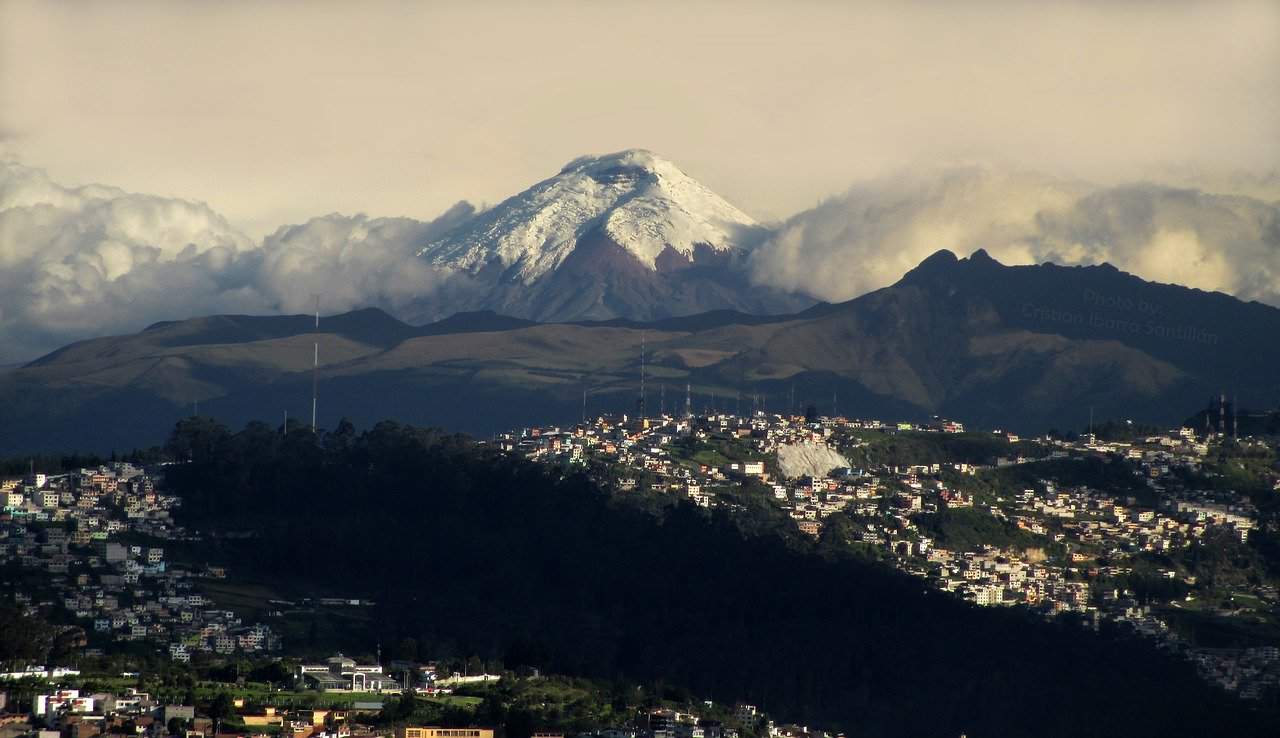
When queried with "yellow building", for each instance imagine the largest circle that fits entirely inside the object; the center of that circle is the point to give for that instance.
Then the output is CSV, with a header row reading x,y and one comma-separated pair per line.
x,y
427,731
269,717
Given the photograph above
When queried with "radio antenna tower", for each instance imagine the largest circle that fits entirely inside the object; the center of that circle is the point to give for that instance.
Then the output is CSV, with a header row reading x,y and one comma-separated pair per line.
x,y
315,366
1235,417
835,406
662,399
642,374
688,400
584,404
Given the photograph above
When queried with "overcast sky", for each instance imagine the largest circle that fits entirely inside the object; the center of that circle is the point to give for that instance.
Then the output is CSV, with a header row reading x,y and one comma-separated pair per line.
x,y
272,113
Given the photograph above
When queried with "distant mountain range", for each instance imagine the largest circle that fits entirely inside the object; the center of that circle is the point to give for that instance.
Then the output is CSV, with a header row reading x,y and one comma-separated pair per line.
x,y
1024,347
621,236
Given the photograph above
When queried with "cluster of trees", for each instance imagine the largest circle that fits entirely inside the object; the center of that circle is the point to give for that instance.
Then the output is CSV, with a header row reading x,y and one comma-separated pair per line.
x,y
1113,474
966,528
908,448
524,705
23,640
472,551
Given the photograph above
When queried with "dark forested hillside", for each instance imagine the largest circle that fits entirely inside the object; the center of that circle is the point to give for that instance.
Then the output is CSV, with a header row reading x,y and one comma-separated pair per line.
x,y
468,550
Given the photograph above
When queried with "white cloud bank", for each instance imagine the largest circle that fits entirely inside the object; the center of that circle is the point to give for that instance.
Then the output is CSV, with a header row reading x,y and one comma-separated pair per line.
x,y
94,260
85,261
869,236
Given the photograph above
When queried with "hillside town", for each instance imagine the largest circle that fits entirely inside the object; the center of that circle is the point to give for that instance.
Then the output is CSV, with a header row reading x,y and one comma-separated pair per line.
x,y
95,544
1053,547
92,543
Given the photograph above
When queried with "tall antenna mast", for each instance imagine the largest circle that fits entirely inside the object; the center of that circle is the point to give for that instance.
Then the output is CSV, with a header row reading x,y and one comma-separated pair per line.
x,y
642,408
1235,416
584,404
662,399
835,406
315,366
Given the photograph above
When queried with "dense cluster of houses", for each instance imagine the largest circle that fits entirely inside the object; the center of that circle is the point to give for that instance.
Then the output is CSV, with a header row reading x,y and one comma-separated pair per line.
x,y
96,536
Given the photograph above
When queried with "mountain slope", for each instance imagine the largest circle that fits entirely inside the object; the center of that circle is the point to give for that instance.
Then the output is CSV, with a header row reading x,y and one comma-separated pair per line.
x,y
1025,348
621,235
641,202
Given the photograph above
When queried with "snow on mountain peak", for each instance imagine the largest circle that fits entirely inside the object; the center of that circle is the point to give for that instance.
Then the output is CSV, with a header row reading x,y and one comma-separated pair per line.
x,y
642,202
638,159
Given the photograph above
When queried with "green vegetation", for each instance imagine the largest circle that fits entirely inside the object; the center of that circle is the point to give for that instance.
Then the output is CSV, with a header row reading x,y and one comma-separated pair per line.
x,y
1250,470
25,640
869,448
714,451
1114,475
1124,431
966,529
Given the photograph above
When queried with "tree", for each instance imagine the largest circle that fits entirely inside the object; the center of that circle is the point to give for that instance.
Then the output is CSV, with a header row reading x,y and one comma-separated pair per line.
x,y
197,439
221,707
23,640
407,706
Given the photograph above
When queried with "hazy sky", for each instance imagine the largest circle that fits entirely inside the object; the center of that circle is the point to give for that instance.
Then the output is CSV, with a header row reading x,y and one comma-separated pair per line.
x,y
274,112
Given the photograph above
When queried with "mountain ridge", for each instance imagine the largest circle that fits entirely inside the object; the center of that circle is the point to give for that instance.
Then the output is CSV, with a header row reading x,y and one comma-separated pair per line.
x,y
967,338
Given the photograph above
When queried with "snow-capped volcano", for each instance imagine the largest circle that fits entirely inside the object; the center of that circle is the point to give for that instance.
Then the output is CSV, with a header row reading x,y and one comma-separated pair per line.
x,y
624,235
637,200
